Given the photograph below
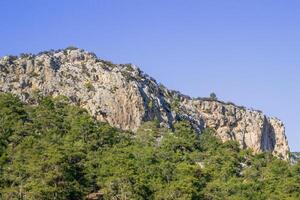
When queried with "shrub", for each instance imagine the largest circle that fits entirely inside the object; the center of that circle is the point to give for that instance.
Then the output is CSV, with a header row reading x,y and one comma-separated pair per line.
x,y
213,96
89,86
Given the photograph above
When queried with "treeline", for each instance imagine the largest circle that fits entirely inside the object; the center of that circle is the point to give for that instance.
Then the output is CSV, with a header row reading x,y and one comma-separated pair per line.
x,y
55,151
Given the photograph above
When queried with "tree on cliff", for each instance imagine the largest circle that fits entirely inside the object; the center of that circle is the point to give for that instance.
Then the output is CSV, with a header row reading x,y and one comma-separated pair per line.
x,y
213,96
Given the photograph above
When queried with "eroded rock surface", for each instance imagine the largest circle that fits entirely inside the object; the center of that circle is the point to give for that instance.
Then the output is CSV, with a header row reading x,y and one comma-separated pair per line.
x,y
125,97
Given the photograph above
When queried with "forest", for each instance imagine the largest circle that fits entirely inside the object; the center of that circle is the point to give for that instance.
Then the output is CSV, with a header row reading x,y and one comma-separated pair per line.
x,y
51,150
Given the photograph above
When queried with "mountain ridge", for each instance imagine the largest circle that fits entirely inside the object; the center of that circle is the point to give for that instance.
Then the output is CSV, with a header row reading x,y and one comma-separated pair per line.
x,y
125,97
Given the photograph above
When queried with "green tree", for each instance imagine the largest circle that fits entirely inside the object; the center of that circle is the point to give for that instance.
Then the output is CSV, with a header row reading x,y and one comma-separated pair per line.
x,y
54,150
213,96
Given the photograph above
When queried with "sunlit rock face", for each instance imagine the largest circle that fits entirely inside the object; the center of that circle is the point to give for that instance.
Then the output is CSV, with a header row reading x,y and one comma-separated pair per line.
x,y
125,97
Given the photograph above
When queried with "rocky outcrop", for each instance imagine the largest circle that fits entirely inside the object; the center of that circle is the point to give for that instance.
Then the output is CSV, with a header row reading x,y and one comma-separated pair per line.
x,y
295,157
125,97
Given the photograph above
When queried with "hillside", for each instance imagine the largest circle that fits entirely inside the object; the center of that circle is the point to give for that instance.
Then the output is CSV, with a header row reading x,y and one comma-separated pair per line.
x,y
53,150
125,97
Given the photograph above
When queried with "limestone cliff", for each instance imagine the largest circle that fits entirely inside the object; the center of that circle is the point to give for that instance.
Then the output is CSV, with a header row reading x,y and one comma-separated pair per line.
x,y
124,96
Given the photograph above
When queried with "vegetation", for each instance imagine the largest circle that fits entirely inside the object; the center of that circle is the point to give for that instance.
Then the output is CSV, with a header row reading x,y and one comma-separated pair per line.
x,y
89,86
175,105
213,96
57,151
71,48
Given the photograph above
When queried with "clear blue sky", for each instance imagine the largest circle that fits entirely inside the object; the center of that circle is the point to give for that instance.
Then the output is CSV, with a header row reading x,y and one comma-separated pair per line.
x,y
247,52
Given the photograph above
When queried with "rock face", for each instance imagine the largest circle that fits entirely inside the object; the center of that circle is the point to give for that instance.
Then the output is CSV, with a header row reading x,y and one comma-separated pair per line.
x,y
295,157
125,97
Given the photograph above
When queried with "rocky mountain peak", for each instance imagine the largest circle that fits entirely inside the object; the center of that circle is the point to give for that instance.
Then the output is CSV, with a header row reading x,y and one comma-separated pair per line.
x,y
125,97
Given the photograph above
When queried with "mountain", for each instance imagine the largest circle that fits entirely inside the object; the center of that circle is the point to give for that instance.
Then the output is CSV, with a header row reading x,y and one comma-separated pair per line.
x,y
125,97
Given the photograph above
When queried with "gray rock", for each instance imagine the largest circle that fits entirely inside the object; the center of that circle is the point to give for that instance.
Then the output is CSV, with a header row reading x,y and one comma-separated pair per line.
x,y
294,157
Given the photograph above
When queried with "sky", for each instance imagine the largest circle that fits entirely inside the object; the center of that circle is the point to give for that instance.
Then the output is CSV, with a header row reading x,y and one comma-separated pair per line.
x,y
247,52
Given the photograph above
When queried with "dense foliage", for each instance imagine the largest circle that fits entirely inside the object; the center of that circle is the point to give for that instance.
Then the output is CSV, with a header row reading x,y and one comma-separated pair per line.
x,y
57,151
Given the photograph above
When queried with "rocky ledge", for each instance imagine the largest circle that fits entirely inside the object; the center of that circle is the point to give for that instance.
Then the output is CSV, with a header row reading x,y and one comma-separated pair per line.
x,y
125,97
